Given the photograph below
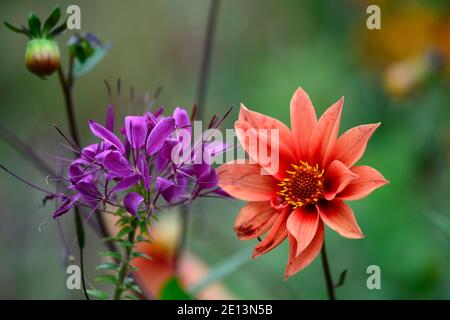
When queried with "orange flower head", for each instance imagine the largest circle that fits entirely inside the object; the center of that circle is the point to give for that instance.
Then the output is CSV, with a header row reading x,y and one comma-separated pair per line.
x,y
315,174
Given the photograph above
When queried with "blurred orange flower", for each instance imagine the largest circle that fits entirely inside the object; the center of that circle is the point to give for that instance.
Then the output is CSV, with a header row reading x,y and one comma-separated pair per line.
x,y
316,173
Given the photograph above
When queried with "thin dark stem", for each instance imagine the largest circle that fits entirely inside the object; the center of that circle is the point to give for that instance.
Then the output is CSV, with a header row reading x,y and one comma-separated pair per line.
x,y
206,58
25,150
199,109
82,272
69,105
327,273
120,287
184,215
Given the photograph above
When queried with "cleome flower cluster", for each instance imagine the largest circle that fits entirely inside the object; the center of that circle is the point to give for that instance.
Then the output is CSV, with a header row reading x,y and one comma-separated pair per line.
x,y
153,160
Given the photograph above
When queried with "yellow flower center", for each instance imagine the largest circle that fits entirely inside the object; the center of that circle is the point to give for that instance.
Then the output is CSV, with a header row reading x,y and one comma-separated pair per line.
x,y
303,186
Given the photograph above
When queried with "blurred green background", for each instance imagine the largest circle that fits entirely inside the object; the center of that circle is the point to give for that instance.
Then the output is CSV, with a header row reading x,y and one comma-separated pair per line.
x,y
263,51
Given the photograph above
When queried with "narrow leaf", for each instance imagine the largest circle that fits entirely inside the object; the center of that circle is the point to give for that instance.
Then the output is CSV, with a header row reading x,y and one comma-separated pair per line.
x,y
106,278
106,266
98,294
22,30
34,23
52,20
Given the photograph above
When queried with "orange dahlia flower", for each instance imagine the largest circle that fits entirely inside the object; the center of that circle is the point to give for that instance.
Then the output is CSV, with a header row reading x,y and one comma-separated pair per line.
x,y
315,175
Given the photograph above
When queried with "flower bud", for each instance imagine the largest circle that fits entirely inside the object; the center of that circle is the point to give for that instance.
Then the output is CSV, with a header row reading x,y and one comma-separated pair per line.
x,y
42,56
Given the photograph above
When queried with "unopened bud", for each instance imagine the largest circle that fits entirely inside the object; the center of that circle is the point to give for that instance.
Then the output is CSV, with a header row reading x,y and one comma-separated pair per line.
x,y
42,56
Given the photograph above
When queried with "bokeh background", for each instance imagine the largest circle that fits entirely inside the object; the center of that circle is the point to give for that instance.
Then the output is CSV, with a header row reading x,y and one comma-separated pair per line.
x,y
263,51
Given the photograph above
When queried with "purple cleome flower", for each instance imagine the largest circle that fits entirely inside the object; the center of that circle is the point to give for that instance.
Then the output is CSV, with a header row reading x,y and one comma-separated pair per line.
x,y
154,162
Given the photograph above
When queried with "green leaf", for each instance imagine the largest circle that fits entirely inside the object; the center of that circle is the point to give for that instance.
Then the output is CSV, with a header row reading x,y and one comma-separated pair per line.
x,y
34,23
81,69
106,266
98,294
228,266
52,20
60,29
107,278
22,30
133,287
111,254
131,297
124,231
136,254
341,280
172,290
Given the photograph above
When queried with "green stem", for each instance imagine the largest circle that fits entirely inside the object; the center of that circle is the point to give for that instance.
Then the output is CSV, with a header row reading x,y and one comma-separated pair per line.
x,y
123,273
327,273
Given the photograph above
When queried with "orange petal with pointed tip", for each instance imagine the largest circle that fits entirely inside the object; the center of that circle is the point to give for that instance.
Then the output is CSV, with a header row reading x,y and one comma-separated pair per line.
x,y
276,235
302,224
303,120
368,180
324,135
298,262
254,219
264,149
337,178
245,182
339,217
351,145
260,121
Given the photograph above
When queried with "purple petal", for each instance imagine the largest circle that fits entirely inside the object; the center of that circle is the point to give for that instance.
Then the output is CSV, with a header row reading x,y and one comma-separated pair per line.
x,y
116,164
182,119
208,180
99,131
132,201
215,148
136,131
126,183
87,189
110,118
143,168
66,206
170,190
159,134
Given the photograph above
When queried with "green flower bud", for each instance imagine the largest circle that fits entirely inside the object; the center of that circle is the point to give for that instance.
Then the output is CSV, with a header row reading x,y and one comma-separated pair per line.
x,y
42,56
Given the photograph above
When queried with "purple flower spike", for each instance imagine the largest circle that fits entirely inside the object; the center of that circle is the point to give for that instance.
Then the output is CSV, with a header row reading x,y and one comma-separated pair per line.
x,y
99,131
132,201
159,134
136,131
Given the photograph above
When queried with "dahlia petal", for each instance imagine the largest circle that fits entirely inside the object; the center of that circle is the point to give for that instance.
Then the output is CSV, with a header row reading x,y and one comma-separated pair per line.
x,y
302,224
260,121
245,181
367,181
339,217
298,262
276,235
99,131
136,131
159,134
303,120
325,134
262,148
351,145
132,201
254,219
337,178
